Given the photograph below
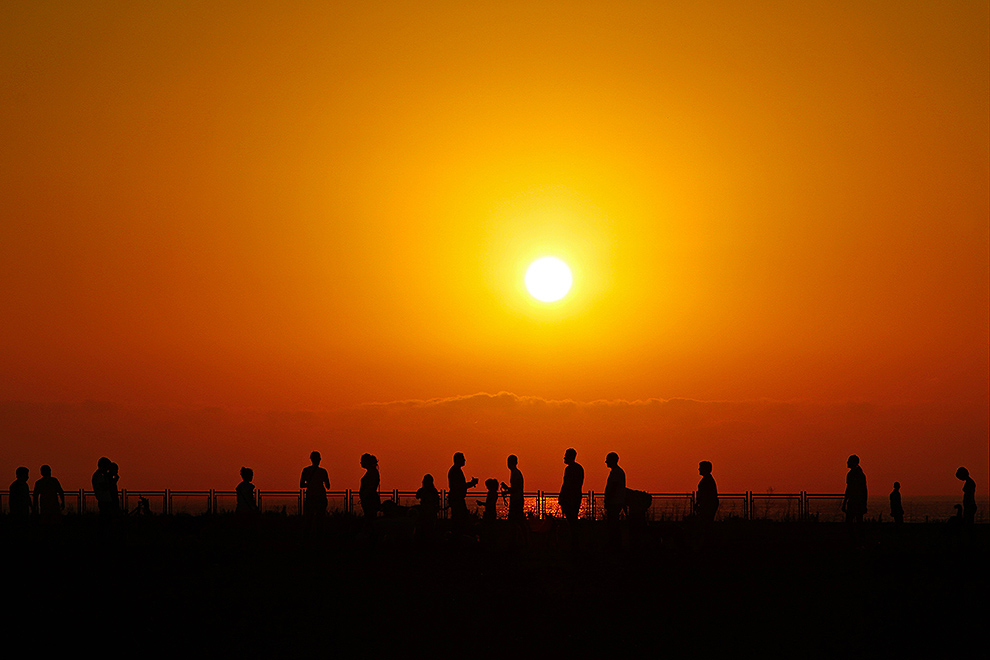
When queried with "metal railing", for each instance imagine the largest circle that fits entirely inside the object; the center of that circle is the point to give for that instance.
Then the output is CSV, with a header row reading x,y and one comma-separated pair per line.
x,y
537,504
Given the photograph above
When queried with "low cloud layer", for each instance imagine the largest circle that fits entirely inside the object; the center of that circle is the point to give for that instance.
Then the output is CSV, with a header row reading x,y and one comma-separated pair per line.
x,y
754,445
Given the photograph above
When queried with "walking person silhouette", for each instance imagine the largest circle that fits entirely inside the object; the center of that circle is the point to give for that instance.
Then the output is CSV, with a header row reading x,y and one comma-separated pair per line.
x,y
896,509
570,493
615,500
854,500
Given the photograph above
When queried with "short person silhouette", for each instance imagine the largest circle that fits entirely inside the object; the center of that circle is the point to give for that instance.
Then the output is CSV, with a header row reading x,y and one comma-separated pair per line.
x,y
20,494
246,503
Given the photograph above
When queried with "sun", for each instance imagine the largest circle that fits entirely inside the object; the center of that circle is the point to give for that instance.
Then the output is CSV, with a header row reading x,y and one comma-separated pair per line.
x,y
548,279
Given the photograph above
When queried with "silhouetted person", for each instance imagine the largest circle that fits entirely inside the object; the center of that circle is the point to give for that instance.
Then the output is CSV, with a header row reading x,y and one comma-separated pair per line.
x,y
570,492
49,498
105,492
896,510
20,495
515,490
113,493
246,503
854,499
371,501
457,492
316,481
429,505
969,496
615,499
707,503
490,502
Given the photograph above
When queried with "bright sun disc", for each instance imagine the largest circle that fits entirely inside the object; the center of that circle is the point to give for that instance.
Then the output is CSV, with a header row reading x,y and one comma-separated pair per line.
x,y
548,279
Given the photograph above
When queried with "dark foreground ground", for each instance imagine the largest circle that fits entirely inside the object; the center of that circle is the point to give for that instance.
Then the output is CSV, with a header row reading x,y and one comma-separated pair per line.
x,y
196,586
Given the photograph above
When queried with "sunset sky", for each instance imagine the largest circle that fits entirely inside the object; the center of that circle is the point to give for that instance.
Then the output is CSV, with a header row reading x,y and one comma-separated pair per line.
x,y
236,232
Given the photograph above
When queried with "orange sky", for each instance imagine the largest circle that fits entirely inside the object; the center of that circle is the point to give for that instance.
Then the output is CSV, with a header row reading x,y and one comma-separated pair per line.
x,y
280,207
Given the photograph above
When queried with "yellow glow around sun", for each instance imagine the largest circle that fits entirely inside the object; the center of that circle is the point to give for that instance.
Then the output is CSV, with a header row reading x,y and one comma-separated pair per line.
x,y
548,279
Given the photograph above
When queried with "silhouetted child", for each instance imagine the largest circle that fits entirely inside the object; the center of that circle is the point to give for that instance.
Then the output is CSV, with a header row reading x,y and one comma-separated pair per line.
x,y
20,494
969,496
246,504
49,498
896,510
491,501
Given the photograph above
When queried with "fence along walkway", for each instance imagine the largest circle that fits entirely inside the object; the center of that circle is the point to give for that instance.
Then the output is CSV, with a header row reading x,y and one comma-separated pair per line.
x,y
541,504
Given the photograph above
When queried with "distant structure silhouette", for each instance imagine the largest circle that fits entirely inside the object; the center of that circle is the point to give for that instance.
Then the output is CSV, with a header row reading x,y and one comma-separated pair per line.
x,y
316,482
896,509
570,493
49,498
429,505
969,496
246,502
20,494
854,499
457,493
706,505
371,501
615,499
490,502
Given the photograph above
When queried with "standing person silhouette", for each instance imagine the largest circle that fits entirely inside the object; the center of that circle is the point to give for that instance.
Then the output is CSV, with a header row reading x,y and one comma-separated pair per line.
x,y
316,482
707,504
371,501
515,488
615,499
969,497
570,492
854,499
113,493
103,490
20,495
457,493
49,498
896,509
246,504
429,504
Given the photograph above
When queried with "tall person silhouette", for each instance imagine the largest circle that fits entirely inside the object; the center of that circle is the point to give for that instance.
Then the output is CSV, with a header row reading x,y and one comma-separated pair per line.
x,y
854,499
316,482
49,498
570,492
371,501
969,496
707,504
457,493
515,488
615,499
